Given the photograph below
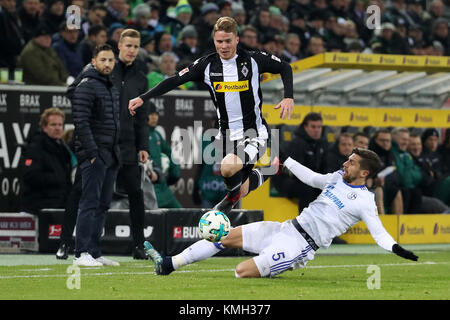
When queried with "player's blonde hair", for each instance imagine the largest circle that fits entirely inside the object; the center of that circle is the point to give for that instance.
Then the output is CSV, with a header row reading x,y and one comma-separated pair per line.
x,y
226,24
132,33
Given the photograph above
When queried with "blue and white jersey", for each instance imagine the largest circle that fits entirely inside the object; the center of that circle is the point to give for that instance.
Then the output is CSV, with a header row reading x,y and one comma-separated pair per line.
x,y
338,207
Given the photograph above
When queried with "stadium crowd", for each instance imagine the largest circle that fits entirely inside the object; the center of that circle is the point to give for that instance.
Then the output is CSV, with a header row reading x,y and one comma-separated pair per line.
x,y
37,36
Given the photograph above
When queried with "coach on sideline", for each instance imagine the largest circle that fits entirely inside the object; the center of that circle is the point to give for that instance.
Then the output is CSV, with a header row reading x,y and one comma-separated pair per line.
x,y
96,109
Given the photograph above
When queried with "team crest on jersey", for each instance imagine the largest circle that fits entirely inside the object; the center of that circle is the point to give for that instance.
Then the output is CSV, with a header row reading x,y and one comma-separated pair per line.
x,y
352,195
244,71
185,70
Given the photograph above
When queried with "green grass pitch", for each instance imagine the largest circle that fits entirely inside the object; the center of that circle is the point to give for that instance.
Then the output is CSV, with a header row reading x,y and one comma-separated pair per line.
x,y
341,272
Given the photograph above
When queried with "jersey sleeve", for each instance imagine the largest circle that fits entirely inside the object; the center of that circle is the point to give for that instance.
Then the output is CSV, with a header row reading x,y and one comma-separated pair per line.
x,y
309,177
272,64
376,228
194,72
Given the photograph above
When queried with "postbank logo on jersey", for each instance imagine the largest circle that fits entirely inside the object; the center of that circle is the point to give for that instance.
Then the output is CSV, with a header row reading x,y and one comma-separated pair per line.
x,y
231,86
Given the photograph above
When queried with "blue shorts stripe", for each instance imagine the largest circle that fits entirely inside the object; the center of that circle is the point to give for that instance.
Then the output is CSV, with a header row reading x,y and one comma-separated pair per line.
x,y
286,264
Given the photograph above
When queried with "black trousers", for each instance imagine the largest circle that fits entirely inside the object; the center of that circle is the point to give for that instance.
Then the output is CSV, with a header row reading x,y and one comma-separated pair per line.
x,y
98,180
130,181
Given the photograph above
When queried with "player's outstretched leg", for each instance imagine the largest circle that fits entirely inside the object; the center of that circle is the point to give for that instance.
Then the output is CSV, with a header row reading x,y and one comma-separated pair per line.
x,y
163,265
231,170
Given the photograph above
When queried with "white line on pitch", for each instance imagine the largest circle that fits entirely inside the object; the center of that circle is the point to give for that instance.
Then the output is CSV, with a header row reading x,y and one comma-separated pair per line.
x,y
219,270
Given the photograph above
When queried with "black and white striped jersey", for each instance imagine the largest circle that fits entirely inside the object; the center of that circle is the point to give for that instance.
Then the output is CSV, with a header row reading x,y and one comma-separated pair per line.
x,y
234,86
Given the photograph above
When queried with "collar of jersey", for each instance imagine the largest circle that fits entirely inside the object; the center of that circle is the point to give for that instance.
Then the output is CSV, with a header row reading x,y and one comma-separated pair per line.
x,y
351,186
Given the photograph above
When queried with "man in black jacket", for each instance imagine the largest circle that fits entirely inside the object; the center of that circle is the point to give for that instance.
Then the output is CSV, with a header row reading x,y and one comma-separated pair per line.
x,y
308,148
45,169
133,141
96,111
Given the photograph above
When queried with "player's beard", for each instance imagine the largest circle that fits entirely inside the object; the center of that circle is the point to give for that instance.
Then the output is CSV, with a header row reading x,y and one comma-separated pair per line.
x,y
348,177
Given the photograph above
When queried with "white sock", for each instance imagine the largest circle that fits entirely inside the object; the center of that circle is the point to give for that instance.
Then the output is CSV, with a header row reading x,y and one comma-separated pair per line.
x,y
200,250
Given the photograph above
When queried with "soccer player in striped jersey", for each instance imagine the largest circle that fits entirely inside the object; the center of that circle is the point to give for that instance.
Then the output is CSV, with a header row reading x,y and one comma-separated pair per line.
x,y
233,76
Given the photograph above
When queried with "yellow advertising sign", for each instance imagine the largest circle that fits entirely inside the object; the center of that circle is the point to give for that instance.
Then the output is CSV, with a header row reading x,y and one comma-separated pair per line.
x,y
431,228
359,233
384,117
272,115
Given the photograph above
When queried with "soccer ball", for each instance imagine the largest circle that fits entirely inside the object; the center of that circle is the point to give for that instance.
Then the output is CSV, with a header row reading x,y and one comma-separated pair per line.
x,y
214,226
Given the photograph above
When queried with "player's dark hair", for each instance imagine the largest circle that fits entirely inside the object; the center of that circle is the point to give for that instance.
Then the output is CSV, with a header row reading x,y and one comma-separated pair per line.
x,y
312,116
103,47
369,161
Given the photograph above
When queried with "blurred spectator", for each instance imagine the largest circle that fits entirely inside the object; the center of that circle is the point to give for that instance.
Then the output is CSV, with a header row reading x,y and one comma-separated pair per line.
x,y
183,16
357,14
225,10
315,46
270,45
434,183
53,15
282,5
29,16
446,13
97,36
276,20
141,17
46,165
410,174
337,7
301,7
292,51
115,12
205,24
167,68
239,14
187,48
389,41
381,144
415,39
147,53
161,154
435,11
415,11
248,38
440,34
40,62
397,11
444,151
335,32
316,22
339,152
11,36
209,186
163,43
66,47
95,16
310,149
319,4
261,22
114,32
361,140
298,26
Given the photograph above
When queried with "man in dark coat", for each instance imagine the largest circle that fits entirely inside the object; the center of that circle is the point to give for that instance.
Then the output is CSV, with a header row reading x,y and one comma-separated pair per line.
x,y
45,169
96,112
134,147
308,148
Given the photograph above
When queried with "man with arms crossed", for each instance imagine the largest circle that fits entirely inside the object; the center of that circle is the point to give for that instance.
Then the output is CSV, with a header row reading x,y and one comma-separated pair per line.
x,y
233,78
343,202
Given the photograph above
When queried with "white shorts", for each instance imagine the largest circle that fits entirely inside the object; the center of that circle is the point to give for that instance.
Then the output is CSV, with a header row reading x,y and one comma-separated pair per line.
x,y
279,246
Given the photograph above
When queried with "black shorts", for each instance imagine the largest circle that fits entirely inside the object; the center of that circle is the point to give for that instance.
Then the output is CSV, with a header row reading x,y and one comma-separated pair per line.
x,y
249,150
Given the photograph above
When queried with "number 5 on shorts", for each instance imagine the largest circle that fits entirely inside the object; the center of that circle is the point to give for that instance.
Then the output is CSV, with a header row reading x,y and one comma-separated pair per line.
x,y
278,256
